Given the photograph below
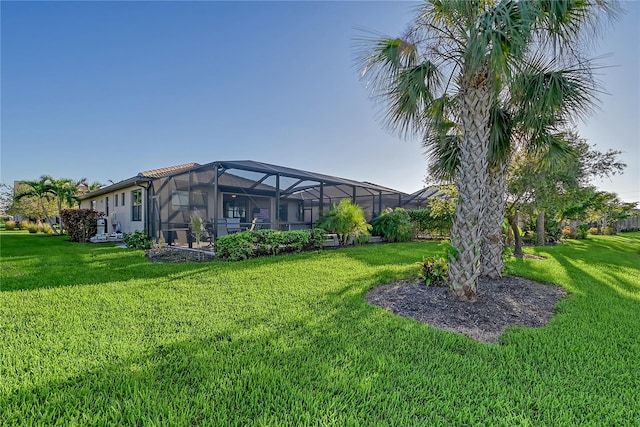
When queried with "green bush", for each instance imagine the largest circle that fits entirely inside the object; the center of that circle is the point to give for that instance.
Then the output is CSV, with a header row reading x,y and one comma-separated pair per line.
x,y
10,225
394,225
81,224
24,225
582,231
593,231
32,228
251,244
433,270
317,236
345,219
237,246
430,224
137,240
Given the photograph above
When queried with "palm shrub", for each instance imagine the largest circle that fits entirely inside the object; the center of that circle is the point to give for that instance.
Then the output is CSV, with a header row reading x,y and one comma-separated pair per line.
x,y
345,219
394,225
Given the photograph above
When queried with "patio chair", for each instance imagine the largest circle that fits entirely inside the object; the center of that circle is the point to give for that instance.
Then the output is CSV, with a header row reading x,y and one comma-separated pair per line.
x,y
233,225
222,227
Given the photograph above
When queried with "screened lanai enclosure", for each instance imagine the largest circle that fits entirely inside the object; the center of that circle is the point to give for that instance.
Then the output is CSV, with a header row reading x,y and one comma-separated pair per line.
x,y
239,195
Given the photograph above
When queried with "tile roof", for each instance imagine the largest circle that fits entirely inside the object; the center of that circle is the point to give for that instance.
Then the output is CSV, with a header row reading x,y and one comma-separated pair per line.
x,y
163,172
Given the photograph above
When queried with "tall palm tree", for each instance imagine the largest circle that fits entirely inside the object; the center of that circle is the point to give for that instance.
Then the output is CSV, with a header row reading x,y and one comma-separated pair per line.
x,y
41,190
65,191
465,50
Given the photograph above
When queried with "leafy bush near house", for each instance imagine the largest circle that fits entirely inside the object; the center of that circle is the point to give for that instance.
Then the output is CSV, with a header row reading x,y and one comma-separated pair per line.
x,y
251,244
428,223
317,236
593,231
433,270
394,225
24,225
345,219
137,240
10,225
32,228
81,224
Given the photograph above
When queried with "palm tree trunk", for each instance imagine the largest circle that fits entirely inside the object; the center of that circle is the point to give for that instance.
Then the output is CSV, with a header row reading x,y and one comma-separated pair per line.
x,y
540,229
466,236
60,216
492,220
46,215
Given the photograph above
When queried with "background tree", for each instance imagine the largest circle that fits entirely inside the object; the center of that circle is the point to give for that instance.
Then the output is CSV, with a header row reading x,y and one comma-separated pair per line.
x,y
38,191
6,198
557,180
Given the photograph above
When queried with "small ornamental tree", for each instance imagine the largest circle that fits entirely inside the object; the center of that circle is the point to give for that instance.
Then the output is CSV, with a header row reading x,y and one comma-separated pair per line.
x,y
82,224
345,219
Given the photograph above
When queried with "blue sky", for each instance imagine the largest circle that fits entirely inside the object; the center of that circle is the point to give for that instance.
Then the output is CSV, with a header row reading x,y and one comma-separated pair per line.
x,y
105,90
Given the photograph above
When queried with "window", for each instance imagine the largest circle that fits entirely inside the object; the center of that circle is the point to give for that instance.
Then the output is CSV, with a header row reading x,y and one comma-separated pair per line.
x,y
122,199
106,203
235,209
116,200
136,205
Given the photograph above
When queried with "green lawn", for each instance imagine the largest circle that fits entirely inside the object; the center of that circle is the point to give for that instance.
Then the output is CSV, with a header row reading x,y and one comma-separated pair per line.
x,y
97,335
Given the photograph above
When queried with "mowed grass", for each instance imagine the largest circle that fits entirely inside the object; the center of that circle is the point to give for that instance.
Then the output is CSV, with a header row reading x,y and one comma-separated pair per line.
x,y
97,335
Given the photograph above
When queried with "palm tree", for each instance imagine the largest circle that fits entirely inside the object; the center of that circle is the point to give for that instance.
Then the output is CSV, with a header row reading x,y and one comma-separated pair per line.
x,y
477,45
65,191
41,190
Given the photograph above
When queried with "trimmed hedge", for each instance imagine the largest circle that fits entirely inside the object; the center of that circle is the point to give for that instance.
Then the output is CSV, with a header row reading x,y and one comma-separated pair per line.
x,y
251,244
431,225
81,224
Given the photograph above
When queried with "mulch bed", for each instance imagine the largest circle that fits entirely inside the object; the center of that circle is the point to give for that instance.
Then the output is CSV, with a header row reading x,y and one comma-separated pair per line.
x,y
501,303
171,254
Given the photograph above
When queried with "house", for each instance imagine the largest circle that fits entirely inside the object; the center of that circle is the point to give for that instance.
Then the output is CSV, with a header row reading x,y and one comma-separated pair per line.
x,y
230,196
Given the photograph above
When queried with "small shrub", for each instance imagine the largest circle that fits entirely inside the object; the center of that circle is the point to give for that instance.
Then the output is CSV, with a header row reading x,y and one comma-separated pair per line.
x,y
317,236
582,231
433,270
32,228
593,231
137,240
10,225
237,246
566,232
394,225
24,225
362,239
46,228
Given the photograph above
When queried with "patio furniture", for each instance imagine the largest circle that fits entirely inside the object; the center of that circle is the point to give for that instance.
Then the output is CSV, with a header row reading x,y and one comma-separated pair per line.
x,y
233,225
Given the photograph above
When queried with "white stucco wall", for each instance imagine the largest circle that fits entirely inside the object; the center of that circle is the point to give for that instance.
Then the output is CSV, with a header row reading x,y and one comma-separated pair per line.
x,y
120,213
